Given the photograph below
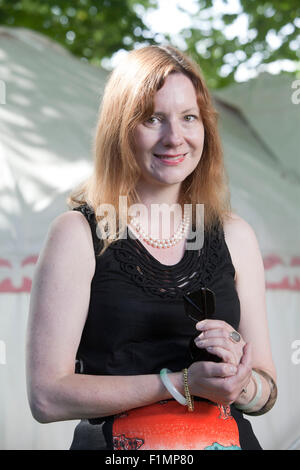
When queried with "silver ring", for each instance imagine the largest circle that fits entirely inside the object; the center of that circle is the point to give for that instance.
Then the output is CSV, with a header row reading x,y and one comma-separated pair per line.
x,y
235,336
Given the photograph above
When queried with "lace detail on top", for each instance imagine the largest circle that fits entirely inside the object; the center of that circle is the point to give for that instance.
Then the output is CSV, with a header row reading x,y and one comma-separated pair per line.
x,y
193,271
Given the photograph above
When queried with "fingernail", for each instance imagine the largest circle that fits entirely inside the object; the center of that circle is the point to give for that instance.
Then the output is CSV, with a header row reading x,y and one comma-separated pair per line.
x,y
200,325
198,340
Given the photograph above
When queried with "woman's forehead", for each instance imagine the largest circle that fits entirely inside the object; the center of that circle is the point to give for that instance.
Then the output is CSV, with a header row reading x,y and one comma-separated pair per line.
x,y
177,90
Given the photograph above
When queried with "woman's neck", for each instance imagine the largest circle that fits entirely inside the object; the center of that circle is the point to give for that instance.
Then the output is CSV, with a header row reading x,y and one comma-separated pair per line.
x,y
161,212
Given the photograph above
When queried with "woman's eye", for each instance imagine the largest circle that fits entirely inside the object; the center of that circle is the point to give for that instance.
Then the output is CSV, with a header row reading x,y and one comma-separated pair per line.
x,y
152,120
190,117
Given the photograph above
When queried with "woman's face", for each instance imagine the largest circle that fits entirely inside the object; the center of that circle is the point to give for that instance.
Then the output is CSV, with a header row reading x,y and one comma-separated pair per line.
x,y
169,145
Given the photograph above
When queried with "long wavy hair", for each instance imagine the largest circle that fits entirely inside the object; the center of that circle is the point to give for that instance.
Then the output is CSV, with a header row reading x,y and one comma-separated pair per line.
x,y
128,100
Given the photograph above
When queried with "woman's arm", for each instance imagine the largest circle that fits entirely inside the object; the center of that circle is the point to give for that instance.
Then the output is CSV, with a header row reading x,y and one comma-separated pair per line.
x,y
58,308
253,350
250,285
251,288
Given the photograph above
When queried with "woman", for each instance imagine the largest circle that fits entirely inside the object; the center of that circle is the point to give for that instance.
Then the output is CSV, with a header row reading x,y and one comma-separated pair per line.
x,y
111,297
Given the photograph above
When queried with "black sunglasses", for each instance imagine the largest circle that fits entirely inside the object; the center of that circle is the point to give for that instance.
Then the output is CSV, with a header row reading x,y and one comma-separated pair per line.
x,y
200,305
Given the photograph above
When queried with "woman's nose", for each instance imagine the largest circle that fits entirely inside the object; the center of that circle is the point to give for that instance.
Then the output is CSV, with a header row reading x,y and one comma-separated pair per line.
x,y
173,135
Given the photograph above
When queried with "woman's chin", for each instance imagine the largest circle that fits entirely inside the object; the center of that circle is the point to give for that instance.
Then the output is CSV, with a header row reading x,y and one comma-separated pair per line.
x,y
172,177
167,181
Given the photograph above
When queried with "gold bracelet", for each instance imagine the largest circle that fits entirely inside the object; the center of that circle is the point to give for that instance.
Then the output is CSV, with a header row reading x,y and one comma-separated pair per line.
x,y
188,397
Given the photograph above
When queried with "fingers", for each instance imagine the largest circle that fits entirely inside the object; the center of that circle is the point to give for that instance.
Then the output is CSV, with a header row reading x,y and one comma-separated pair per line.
x,y
214,369
217,328
212,338
244,370
219,347
217,341
247,356
225,355
221,382
215,333
212,324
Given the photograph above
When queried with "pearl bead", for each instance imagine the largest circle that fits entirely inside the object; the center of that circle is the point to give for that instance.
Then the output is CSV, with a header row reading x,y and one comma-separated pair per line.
x,y
166,242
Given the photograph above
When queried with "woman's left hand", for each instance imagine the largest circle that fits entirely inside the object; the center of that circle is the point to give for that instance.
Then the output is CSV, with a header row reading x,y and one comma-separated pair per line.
x,y
219,338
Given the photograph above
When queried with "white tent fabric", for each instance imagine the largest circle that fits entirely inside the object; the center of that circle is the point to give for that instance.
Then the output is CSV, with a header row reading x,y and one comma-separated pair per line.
x,y
46,129
260,132
47,121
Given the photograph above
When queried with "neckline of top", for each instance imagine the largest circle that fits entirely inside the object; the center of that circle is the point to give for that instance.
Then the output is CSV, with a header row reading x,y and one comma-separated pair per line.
x,y
162,265
90,212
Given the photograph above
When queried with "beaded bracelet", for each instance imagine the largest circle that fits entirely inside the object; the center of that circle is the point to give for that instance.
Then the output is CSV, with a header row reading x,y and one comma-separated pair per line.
x,y
170,387
189,398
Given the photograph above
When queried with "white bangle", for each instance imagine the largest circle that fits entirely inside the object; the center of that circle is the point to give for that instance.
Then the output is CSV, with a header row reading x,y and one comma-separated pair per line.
x,y
249,406
170,387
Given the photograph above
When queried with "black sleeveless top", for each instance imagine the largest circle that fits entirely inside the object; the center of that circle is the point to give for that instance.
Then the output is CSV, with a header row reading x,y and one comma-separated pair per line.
x,y
136,322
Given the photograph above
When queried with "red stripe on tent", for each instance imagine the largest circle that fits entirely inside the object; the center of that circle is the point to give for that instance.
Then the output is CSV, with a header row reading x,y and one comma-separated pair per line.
x,y
30,260
271,261
5,262
290,282
7,287
285,284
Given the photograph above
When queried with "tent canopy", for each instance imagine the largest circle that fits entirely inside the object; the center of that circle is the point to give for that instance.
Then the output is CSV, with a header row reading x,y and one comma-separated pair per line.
x,y
46,129
260,131
268,107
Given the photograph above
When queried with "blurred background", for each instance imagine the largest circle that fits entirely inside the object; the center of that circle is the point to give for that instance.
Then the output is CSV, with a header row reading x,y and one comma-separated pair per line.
x,y
55,57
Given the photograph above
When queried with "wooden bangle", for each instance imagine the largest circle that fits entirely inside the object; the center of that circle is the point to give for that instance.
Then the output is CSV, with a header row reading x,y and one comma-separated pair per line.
x,y
272,397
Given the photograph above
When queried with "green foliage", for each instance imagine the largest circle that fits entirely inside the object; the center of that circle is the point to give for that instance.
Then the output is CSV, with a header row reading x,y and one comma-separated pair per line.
x,y
270,32
93,29
96,29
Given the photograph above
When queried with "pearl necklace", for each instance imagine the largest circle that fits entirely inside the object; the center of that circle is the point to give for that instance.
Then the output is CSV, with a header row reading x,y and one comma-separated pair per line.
x,y
165,242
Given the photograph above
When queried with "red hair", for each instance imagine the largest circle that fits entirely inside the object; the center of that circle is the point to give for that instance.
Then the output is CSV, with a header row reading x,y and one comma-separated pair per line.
x,y
128,100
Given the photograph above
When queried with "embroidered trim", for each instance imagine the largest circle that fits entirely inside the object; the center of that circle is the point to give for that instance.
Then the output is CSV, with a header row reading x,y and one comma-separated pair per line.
x,y
193,271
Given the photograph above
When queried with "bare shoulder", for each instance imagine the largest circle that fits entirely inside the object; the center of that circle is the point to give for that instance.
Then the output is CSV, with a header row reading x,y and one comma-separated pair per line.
x,y
238,229
241,240
69,235
71,222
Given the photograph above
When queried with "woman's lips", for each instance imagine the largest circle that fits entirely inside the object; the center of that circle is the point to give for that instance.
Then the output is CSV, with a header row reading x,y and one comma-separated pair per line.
x,y
171,159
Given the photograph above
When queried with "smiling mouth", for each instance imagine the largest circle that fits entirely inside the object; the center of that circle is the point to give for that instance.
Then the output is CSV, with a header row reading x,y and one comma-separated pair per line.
x,y
171,158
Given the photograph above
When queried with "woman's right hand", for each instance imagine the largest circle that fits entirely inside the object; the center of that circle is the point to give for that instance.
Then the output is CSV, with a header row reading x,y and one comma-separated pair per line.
x,y
220,382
